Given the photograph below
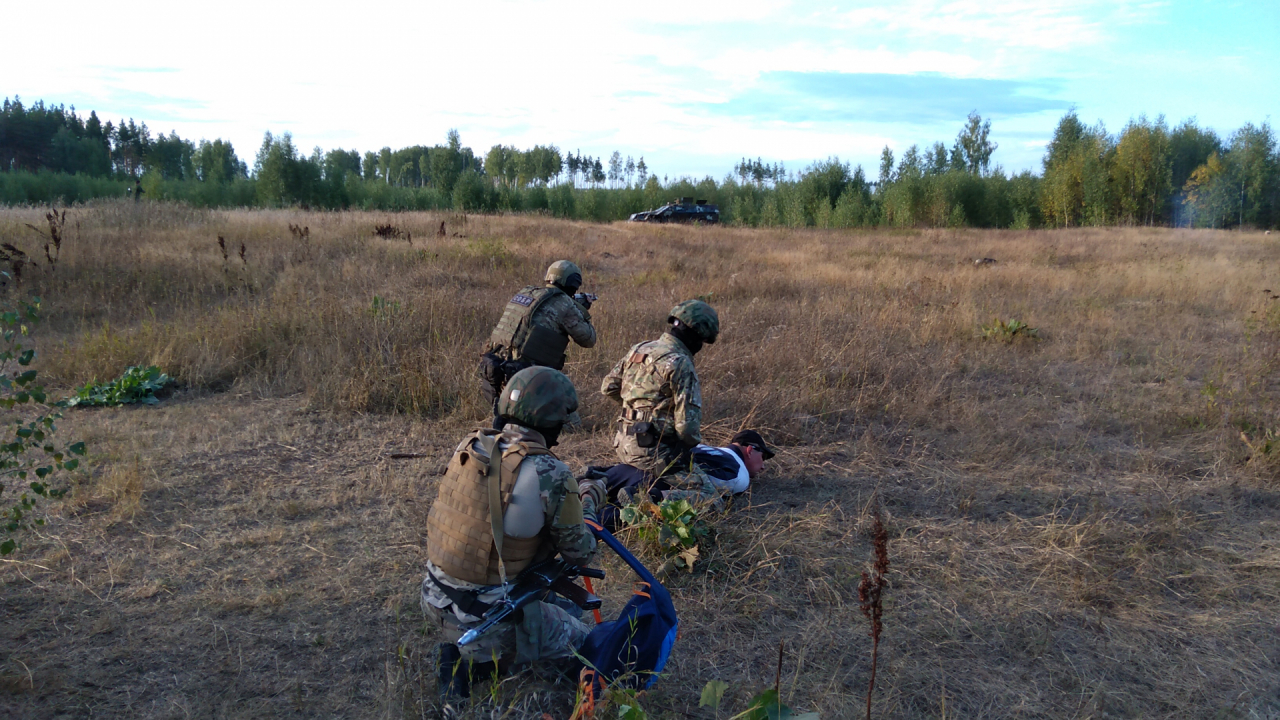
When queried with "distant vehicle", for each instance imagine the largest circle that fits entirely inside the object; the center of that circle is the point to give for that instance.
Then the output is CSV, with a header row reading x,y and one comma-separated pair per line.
x,y
684,210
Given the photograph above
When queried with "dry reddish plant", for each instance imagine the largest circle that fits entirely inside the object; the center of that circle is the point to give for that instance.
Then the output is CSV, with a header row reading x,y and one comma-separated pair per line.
x,y
870,595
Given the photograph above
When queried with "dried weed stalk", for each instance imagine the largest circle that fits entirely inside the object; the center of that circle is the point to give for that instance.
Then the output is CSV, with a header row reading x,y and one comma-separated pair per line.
x,y
53,239
16,258
870,595
391,232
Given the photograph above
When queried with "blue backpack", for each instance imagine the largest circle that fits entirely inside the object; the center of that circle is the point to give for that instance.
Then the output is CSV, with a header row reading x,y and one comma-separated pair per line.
x,y
633,649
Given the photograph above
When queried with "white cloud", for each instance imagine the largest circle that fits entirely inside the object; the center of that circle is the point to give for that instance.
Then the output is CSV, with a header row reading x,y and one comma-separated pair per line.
x,y
570,72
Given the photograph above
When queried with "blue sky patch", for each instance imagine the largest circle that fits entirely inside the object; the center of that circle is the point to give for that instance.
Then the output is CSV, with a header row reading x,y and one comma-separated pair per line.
x,y
923,98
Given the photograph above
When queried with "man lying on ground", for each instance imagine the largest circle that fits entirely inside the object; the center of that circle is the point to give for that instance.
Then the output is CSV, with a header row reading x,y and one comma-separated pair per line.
x,y
712,473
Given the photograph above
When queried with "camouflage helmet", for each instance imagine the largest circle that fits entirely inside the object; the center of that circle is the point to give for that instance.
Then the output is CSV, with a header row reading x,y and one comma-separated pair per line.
x,y
565,274
538,397
699,316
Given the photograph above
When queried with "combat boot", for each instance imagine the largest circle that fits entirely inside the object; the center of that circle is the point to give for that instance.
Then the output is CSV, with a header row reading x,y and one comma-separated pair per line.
x,y
453,681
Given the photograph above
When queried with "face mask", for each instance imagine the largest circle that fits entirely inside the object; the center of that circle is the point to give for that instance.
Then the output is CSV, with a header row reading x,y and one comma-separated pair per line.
x,y
551,435
686,335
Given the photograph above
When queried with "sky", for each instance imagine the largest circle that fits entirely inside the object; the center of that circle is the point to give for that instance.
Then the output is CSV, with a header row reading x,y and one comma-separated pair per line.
x,y
691,87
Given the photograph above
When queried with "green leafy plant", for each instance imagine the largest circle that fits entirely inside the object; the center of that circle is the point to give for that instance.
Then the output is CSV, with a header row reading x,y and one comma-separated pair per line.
x,y
766,705
135,385
1009,331
31,449
382,307
674,528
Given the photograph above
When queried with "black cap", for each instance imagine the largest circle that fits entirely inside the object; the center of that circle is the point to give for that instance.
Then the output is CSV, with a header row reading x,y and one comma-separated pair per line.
x,y
752,438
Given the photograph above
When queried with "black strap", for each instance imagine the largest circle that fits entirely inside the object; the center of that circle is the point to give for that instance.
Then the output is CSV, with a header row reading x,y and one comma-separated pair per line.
x,y
466,600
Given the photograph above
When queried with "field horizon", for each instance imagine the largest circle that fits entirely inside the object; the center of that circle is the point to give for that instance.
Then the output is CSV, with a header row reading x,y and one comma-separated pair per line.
x,y
1082,520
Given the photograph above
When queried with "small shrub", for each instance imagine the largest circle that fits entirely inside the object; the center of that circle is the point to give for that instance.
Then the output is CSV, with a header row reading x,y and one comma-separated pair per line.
x,y
672,528
1010,331
382,307
136,385
31,449
391,232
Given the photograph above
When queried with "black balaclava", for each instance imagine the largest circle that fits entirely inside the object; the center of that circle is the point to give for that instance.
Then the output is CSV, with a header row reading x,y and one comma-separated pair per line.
x,y
551,435
686,335
570,284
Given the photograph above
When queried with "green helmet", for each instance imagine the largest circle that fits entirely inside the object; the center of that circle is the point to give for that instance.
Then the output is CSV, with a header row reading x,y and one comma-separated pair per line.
x,y
699,316
564,274
538,397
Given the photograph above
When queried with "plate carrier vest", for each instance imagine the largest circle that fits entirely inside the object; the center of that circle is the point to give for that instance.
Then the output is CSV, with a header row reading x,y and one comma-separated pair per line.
x,y
459,527
521,339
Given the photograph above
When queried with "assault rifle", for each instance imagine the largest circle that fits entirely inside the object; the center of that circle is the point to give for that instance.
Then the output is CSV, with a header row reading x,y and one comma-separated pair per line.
x,y
586,299
534,584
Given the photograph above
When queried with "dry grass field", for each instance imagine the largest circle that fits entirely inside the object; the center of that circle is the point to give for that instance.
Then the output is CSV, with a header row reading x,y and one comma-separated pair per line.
x,y
1081,526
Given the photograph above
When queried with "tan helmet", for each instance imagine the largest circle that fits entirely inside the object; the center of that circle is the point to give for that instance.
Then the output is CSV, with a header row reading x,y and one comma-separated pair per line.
x,y
697,315
538,397
565,275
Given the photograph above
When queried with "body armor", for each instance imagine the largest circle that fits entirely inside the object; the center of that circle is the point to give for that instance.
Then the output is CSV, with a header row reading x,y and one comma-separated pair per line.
x,y
522,339
459,528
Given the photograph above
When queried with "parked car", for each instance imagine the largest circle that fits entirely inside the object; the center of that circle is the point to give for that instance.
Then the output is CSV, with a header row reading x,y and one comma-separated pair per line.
x,y
683,210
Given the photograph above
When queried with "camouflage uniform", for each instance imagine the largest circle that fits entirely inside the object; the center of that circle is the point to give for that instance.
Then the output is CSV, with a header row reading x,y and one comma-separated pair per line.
x,y
561,314
546,631
656,383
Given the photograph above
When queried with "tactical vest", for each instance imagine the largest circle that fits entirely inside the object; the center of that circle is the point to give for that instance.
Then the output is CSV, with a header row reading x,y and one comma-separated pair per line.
x,y
459,527
521,338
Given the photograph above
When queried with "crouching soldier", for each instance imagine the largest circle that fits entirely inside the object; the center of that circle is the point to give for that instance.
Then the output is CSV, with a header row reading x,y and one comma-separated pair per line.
x,y
535,329
657,386
472,562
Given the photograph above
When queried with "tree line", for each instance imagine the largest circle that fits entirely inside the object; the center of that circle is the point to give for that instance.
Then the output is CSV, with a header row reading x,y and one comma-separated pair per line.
x,y
1147,174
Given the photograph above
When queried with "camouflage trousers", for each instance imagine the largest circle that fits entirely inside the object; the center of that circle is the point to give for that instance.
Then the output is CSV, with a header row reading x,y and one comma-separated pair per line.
x,y
681,478
546,632
693,484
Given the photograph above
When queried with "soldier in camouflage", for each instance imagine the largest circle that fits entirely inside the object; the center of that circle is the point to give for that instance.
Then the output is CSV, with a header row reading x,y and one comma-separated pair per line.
x,y
543,514
536,327
657,385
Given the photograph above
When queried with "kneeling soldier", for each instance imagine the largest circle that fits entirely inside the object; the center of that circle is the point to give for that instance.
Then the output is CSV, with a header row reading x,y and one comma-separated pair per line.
x,y
542,512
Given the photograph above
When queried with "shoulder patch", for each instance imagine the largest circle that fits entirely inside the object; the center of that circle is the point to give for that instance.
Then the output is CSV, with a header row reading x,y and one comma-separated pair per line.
x,y
522,299
637,357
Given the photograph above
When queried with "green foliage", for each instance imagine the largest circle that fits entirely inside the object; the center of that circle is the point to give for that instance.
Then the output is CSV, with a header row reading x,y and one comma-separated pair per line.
x,y
136,385
1010,331
31,449
764,706
47,187
1147,175
381,307
672,528
713,693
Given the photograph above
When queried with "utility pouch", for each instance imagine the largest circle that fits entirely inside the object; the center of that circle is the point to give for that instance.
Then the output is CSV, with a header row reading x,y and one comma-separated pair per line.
x,y
646,434
544,346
